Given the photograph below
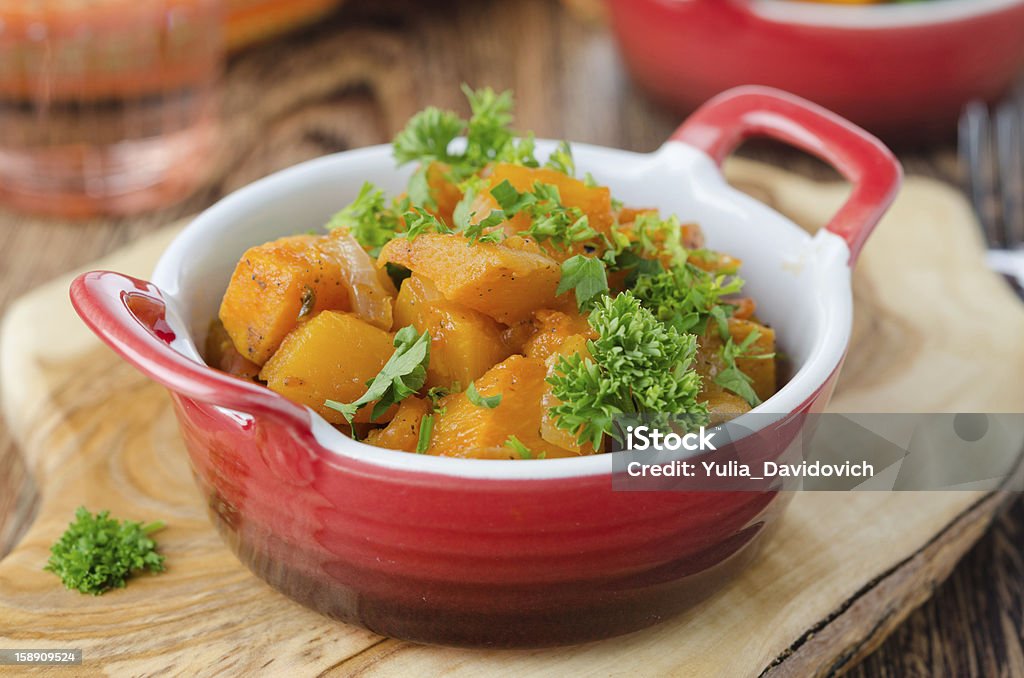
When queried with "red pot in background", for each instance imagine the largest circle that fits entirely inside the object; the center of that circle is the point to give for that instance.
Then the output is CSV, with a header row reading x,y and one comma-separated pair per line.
x,y
899,70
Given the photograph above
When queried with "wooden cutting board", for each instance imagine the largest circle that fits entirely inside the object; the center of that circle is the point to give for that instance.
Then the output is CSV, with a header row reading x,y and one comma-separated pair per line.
x,y
935,331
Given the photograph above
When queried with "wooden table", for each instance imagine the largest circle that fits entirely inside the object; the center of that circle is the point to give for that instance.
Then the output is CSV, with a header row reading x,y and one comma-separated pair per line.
x,y
353,80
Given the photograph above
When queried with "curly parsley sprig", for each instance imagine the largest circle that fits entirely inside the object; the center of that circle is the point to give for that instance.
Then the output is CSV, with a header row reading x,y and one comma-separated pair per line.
x,y
636,365
97,553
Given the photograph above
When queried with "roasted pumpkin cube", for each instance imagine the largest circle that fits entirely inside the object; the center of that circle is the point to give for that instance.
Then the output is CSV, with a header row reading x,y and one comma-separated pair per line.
x,y
464,343
463,429
549,429
502,281
330,357
274,286
594,201
403,432
761,370
222,354
552,329
443,190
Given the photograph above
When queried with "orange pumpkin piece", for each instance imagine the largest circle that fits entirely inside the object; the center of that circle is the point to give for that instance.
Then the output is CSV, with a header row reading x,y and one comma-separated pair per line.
x,y
761,371
273,287
463,429
505,281
222,354
464,343
594,201
330,357
549,430
552,330
403,432
445,193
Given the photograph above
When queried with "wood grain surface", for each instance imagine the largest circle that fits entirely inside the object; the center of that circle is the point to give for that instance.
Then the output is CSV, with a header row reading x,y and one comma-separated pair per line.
x,y
352,81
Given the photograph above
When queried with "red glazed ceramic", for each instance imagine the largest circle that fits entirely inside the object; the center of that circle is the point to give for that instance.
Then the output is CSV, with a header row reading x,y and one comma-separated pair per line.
x,y
900,70
479,552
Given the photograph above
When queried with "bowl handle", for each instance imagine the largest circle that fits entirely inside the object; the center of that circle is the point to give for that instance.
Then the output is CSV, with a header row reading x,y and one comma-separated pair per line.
x,y
723,123
129,315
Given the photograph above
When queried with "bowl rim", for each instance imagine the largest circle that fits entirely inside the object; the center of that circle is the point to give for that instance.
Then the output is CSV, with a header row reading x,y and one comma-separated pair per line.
x,y
877,16
830,253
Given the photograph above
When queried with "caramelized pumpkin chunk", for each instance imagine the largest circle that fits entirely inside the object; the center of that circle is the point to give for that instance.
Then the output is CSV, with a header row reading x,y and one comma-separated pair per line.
x,y
403,432
222,354
499,280
594,201
464,343
549,429
330,357
463,429
444,193
761,371
552,330
274,286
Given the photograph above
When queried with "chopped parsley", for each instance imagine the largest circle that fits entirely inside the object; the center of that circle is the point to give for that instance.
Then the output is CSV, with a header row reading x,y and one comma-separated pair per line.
x,y
731,377
419,221
585,276
402,375
686,296
429,134
426,431
636,365
561,160
97,553
369,219
517,446
486,402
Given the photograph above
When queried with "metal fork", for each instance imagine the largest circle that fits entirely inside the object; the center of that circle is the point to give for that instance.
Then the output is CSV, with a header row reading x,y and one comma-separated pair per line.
x,y
992,155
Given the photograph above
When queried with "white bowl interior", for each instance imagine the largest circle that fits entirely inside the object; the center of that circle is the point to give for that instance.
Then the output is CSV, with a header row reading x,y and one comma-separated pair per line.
x,y
801,283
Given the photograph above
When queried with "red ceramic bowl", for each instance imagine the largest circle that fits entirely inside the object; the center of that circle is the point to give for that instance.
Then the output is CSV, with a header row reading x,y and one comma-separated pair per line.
x,y
478,552
900,70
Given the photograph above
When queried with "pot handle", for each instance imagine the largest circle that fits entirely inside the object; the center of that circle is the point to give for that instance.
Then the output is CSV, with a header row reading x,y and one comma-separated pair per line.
x,y
723,123
129,315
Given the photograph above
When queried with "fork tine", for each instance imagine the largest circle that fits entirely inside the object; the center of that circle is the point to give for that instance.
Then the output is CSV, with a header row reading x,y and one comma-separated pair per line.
x,y
1010,154
979,166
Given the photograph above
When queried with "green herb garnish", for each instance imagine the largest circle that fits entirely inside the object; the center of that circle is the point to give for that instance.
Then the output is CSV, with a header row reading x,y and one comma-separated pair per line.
x,y
562,161
419,221
97,553
731,377
369,219
685,297
486,402
426,431
402,376
586,276
636,365
517,446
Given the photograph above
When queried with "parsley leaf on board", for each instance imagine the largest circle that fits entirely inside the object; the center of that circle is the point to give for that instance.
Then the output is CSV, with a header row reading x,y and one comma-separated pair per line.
x,y
486,402
402,375
97,553
637,365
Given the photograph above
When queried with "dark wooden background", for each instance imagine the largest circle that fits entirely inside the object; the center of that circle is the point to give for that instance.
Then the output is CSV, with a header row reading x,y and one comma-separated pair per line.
x,y
353,80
